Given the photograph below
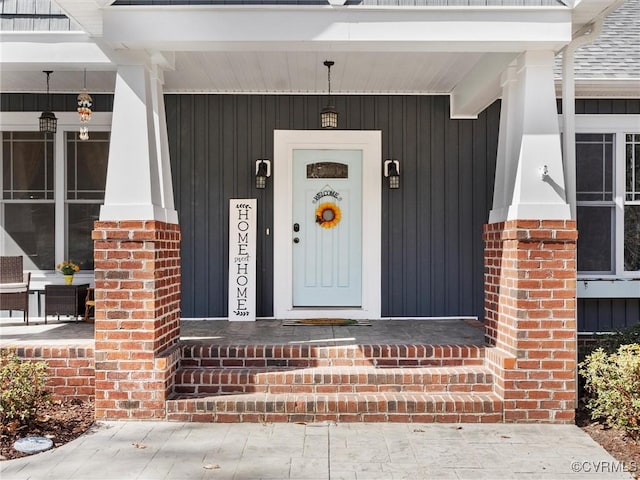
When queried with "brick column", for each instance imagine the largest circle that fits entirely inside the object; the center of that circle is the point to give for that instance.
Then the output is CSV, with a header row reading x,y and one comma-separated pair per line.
x,y
530,306
137,317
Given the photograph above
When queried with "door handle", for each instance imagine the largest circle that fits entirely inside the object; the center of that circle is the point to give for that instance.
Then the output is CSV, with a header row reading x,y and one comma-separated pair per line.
x,y
296,240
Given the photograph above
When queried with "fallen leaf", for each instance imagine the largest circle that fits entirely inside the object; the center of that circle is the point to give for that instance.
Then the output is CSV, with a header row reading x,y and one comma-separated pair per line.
x,y
505,436
139,445
211,466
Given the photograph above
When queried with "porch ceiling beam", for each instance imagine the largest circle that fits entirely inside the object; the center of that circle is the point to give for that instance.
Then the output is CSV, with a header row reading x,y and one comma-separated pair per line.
x,y
32,51
71,50
452,30
480,87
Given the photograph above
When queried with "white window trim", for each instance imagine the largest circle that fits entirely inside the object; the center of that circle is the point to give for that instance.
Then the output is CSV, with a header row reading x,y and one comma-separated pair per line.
x,y
67,121
621,284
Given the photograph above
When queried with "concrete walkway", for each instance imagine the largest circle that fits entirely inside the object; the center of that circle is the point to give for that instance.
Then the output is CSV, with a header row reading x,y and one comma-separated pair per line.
x,y
161,450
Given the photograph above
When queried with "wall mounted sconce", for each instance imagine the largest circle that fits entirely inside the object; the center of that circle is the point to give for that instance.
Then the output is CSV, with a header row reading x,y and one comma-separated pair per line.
x,y
263,171
392,172
329,114
48,120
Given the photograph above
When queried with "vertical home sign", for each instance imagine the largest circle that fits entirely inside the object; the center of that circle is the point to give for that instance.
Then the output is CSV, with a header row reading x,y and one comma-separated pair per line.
x,y
242,259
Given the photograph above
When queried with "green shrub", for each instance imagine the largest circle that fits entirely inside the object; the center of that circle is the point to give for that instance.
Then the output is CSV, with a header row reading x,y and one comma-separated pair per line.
x,y
22,387
612,381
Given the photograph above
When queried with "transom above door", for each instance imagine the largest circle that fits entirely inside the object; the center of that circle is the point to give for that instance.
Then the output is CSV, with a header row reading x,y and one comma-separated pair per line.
x,y
327,221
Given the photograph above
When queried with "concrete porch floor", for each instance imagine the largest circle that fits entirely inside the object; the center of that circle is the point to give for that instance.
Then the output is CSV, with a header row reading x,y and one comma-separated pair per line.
x,y
397,331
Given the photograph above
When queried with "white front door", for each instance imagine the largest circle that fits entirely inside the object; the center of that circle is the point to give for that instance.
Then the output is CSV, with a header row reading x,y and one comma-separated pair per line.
x,y
327,228
327,223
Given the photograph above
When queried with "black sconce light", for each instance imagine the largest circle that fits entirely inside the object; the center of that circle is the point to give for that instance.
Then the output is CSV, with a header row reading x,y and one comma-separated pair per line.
x,y
392,172
329,114
263,171
48,121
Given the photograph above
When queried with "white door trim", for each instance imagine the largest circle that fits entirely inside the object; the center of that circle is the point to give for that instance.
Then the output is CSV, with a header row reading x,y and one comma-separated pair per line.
x,y
370,142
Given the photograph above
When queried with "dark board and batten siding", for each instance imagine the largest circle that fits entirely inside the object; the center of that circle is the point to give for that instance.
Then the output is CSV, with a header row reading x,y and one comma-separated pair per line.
x,y
607,314
431,266
432,260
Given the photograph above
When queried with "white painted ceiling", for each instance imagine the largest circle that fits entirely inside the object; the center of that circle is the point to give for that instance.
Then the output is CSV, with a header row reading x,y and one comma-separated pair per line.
x,y
271,72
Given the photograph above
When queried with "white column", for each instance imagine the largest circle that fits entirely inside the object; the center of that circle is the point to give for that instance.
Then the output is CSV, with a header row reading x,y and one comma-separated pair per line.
x,y
503,184
137,174
529,145
162,140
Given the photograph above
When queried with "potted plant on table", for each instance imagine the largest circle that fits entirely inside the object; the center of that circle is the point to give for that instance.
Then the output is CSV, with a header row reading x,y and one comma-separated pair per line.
x,y
68,269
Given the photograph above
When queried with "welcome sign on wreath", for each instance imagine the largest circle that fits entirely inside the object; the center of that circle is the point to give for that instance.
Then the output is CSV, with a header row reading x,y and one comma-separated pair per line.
x,y
242,259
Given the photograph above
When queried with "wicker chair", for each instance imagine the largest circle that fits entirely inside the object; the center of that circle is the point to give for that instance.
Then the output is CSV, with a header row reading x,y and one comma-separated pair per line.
x,y
14,286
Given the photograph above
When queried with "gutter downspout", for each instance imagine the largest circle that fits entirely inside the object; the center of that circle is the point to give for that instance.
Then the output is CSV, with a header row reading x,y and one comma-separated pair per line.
x,y
587,35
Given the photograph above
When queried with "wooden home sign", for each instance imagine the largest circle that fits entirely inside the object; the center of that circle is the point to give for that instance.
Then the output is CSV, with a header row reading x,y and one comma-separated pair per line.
x,y
242,259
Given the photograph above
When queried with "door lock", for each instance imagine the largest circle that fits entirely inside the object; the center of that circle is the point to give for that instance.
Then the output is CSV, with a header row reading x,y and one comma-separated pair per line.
x,y
296,227
296,240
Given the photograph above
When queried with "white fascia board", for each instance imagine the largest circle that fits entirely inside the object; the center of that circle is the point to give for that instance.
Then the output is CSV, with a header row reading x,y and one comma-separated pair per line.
x,y
55,49
260,29
481,87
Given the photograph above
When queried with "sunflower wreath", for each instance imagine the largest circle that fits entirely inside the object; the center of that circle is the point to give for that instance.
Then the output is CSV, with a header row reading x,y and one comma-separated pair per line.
x,y
328,215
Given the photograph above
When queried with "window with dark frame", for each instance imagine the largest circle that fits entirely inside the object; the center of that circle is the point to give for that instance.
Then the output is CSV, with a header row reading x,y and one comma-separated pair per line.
x,y
27,203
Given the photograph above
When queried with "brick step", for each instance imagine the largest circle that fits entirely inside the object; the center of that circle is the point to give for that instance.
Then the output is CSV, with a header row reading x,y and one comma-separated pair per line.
x,y
212,381
378,407
303,356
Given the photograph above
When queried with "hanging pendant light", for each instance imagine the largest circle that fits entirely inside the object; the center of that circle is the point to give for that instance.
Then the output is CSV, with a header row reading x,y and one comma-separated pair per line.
x,y
48,121
329,114
85,102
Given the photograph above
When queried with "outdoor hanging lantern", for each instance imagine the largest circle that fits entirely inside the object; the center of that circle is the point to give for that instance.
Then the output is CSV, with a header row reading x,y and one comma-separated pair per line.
x,y
329,114
392,172
48,121
85,102
263,171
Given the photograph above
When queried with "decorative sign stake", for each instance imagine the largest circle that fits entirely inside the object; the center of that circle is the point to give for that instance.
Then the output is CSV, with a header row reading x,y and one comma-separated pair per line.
x,y
242,259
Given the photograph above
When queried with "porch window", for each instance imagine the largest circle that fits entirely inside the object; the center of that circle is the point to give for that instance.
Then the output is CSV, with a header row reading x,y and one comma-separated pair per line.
x,y
48,201
86,178
632,203
27,204
608,203
595,203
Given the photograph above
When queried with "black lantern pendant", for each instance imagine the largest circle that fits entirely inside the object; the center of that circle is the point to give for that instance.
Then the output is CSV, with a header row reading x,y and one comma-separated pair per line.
x,y
329,114
48,121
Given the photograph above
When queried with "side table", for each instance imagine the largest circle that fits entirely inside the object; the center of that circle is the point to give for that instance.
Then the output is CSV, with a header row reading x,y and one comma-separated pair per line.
x,y
64,300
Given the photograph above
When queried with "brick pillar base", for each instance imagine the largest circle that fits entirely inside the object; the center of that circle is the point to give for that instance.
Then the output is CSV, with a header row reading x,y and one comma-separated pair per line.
x,y
530,307
137,317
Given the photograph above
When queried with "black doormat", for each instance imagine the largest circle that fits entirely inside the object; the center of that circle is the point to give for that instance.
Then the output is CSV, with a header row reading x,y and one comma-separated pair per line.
x,y
323,322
